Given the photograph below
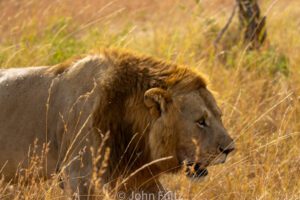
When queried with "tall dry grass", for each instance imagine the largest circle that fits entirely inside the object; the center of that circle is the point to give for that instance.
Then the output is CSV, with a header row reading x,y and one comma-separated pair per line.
x,y
258,91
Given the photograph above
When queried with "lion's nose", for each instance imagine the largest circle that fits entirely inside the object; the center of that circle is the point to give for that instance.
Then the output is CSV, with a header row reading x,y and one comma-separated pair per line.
x,y
227,149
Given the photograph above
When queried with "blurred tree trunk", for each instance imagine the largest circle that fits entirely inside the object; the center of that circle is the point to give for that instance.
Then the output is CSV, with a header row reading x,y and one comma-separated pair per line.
x,y
252,23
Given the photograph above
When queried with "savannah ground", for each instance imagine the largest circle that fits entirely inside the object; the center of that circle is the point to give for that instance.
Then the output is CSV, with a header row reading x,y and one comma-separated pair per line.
x,y
258,91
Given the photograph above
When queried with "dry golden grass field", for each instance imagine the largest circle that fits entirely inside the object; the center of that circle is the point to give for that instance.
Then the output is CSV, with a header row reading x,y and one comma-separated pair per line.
x,y
258,91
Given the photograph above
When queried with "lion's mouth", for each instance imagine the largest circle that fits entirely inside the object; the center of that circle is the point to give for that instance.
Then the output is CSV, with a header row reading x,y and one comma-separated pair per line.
x,y
194,170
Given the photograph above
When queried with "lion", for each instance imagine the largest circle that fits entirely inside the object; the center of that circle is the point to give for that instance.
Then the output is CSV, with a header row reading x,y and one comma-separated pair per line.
x,y
160,117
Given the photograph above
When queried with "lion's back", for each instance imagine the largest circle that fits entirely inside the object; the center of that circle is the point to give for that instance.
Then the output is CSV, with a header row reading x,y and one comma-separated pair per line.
x,y
25,94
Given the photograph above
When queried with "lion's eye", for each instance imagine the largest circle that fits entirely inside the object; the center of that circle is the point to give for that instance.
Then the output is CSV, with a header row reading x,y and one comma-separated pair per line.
x,y
202,123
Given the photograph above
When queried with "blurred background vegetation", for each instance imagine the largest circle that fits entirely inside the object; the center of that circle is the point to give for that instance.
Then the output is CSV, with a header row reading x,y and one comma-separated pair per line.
x,y
258,90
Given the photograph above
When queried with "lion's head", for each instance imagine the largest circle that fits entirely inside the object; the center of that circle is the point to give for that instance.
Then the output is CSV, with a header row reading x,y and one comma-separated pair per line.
x,y
189,127
173,103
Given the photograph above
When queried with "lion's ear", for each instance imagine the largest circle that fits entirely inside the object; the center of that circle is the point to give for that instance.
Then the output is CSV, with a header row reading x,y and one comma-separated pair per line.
x,y
156,99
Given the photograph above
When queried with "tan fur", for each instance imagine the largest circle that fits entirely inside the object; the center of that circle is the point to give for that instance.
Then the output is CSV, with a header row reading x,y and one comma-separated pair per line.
x,y
146,105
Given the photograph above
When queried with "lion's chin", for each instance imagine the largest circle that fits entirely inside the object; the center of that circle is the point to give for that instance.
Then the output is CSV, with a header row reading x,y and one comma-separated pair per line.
x,y
195,171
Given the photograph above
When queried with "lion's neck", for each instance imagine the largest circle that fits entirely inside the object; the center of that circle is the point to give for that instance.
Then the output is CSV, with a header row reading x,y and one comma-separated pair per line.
x,y
122,112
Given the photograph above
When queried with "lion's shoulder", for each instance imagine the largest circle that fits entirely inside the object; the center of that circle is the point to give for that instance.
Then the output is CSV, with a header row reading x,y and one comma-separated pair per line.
x,y
77,64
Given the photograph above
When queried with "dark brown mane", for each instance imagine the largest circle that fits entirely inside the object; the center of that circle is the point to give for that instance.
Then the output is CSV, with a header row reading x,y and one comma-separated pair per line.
x,y
149,70
121,110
